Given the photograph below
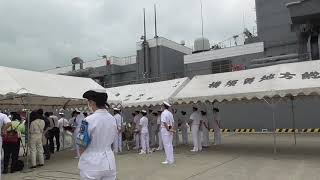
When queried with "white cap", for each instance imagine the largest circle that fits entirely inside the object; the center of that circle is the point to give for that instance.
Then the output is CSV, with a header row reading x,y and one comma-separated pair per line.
x,y
144,111
116,109
99,90
61,113
166,103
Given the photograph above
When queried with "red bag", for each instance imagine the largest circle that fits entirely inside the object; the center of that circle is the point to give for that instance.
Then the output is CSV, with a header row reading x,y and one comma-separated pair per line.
x,y
11,137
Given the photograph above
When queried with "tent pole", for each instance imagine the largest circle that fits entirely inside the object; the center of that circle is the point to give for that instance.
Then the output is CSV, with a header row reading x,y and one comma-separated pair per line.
x,y
293,121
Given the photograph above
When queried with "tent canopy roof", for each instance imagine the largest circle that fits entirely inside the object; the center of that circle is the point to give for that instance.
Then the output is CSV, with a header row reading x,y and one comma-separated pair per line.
x,y
36,88
294,79
147,94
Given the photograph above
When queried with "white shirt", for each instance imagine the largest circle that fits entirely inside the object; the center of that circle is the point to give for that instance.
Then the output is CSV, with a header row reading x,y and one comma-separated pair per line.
x,y
166,117
54,122
144,124
4,119
98,156
63,122
196,118
118,120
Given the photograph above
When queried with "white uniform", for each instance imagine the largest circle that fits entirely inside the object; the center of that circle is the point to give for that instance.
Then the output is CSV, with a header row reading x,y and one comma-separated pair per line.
x,y
63,122
136,120
98,161
216,128
167,117
205,132
159,133
184,129
196,118
36,146
117,144
4,119
77,124
144,134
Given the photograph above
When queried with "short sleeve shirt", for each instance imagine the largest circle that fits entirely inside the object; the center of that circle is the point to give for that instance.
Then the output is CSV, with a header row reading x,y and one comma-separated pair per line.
x,y
144,124
196,118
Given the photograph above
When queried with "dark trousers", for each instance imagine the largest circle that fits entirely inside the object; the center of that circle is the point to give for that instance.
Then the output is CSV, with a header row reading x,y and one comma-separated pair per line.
x,y
11,151
54,133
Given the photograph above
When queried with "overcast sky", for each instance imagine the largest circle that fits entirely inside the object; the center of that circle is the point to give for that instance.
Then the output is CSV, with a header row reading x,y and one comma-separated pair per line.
x,y
42,34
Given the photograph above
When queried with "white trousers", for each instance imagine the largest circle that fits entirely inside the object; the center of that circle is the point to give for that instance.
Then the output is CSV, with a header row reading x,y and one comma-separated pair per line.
x,y
137,139
205,137
184,135
196,138
160,140
145,142
167,144
36,149
97,175
117,143
217,136
76,147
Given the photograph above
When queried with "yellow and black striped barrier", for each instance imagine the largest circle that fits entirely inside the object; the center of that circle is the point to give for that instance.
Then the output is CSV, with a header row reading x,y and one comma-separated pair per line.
x,y
222,130
285,130
311,130
245,131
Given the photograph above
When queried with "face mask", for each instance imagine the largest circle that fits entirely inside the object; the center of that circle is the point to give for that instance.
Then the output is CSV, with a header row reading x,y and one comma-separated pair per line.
x,y
90,108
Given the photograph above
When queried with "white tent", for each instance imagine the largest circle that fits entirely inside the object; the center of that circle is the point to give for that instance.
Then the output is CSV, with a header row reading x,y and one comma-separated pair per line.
x,y
294,79
147,94
265,83
35,89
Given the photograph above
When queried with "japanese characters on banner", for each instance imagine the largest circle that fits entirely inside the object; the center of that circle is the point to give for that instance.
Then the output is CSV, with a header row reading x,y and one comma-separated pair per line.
x,y
250,80
294,79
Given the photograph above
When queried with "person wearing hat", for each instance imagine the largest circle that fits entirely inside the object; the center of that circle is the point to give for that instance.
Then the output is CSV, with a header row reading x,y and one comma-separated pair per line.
x,y
117,144
160,143
144,130
216,126
98,161
136,121
63,123
195,128
204,130
167,132
184,127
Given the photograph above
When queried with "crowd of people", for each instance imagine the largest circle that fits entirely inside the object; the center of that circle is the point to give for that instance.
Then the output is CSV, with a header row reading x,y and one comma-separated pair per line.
x,y
149,130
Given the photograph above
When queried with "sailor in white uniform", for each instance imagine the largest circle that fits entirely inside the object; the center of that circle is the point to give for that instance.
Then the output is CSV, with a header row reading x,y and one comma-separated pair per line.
x,y
216,126
184,127
160,143
196,122
167,131
5,123
204,130
117,144
144,133
97,162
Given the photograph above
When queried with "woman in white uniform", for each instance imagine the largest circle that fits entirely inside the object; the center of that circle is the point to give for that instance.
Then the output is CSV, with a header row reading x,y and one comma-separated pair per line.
x,y
97,161
117,144
196,122
205,130
184,127
5,123
216,126
167,132
144,133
